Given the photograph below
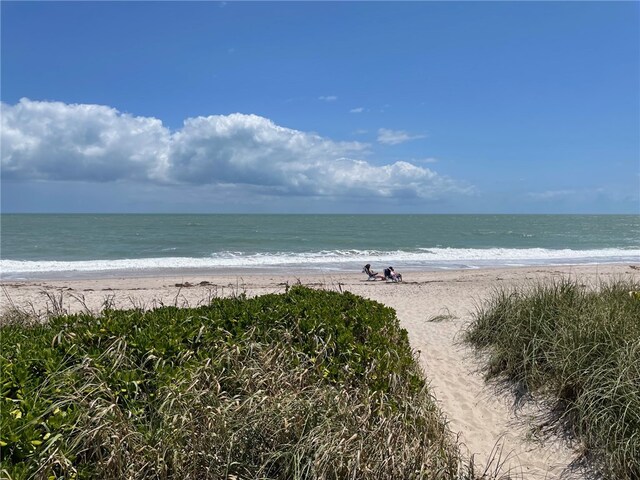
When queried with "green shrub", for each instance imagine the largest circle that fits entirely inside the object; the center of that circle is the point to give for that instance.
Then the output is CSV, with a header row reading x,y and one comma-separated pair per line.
x,y
580,346
307,384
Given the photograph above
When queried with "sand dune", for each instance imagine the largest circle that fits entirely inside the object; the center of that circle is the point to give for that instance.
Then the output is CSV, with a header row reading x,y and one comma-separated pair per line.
x,y
434,307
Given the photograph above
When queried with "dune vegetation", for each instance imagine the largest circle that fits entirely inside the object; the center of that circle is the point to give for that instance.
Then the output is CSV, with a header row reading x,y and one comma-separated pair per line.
x,y
306,384
578,346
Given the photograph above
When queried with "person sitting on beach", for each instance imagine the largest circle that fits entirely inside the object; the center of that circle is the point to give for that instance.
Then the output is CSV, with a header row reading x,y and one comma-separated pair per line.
x,y
390,274
372,275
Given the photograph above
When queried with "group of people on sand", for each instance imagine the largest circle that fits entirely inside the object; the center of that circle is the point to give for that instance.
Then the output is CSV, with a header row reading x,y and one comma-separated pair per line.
x,y
389,274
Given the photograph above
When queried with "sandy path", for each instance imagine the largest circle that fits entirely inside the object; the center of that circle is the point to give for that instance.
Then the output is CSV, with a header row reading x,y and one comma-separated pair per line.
x,y
484,419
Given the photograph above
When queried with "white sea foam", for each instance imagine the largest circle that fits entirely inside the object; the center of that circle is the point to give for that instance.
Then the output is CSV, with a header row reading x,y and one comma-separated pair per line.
x,y
433,258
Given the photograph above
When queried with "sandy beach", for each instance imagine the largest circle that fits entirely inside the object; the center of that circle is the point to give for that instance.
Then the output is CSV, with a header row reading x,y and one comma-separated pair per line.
x,y
434,307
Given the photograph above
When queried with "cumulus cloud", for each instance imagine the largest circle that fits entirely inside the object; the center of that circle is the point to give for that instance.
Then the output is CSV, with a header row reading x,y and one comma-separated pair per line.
x,y
357,110
328,98
394,137
252,150
238,152
56,141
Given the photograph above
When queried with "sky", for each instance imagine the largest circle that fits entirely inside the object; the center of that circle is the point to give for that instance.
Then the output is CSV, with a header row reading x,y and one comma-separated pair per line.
x,y
320,107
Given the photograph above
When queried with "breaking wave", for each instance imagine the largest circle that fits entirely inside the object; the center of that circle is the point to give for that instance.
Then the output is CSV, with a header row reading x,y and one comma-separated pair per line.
x,y
333,260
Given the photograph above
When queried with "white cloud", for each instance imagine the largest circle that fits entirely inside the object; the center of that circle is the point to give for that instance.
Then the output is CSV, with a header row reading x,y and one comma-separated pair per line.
x,y
551,194
394,137
235,153
252,150
580,195
56,141
357,110
328,98
426,160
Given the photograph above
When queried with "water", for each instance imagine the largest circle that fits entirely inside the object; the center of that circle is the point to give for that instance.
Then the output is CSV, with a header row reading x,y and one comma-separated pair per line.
x,y
45,246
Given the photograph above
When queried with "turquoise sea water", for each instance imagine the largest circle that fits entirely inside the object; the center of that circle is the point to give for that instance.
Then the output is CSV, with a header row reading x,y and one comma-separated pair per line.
x,y
35,246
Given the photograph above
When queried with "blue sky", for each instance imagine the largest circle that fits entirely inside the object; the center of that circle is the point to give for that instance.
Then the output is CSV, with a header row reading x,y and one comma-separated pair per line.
x,y
321,107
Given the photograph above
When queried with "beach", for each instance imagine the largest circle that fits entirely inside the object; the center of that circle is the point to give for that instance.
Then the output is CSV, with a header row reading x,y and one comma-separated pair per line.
x,y
433,306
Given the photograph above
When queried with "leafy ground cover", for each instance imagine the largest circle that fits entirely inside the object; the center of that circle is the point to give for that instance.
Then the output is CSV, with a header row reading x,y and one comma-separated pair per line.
x,y
306,384
579,346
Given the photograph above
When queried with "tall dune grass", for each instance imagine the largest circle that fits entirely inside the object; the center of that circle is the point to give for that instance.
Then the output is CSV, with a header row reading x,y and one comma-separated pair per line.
x,y
580,346
304,385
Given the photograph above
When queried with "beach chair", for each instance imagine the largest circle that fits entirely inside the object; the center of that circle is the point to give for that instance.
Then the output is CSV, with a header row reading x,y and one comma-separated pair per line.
x,y
391,275
372,275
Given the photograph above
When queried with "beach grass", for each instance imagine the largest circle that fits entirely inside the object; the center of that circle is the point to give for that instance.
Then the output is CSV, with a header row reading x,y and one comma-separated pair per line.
x,y
578,346
307,384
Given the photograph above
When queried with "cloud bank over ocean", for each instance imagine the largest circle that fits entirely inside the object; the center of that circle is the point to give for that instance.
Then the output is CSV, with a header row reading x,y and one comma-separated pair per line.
x,y
55,141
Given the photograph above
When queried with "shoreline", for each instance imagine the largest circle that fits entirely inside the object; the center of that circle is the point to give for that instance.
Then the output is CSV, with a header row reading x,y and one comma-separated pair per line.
x,y
433,306
350,268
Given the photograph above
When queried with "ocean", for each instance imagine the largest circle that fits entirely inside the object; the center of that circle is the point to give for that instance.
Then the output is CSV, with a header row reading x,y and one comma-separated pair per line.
x,y
44,246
